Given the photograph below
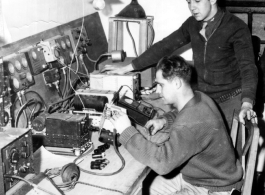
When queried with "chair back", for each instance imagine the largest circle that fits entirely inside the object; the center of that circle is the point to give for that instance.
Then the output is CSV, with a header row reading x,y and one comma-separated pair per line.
x,y
248,137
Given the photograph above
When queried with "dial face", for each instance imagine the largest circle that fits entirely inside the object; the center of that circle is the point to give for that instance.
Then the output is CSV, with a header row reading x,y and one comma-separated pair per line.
x,y
56,53
68,43
34,55
63,44
14,156
24,63
18,65
11,68
29,77
71,55
15,83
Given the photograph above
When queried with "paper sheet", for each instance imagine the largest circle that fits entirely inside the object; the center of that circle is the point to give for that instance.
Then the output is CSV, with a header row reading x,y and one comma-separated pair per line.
x,y
43,159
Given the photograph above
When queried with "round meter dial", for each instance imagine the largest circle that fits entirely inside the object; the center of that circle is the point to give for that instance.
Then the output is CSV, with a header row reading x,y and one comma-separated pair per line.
x,y
29,77
34,55
11,68
24,63
18,65
63,44
15,83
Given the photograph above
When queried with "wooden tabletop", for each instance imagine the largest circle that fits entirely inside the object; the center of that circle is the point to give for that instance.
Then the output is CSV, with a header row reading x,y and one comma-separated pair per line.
x,y
127,181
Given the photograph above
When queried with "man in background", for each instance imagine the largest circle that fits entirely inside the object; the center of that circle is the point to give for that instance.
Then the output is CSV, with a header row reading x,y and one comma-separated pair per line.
x,y
222,53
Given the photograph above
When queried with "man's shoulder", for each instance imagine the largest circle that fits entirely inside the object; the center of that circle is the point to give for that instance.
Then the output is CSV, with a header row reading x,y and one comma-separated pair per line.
x,y
204,106
203,97
233,19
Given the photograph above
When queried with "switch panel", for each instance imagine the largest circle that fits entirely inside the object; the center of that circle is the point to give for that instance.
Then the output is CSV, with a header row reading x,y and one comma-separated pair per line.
x,y
66,49
37,60
58,48
16,156
83,42
5,104
17,66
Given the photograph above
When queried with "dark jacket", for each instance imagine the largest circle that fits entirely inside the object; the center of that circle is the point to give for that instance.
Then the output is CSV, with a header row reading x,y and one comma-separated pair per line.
x,y
197,141
224,62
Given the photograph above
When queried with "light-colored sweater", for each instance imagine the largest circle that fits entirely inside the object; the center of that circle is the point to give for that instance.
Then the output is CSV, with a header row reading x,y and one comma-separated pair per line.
x,y
197,142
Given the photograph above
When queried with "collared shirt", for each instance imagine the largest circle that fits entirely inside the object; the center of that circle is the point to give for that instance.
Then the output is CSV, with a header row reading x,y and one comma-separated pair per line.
x,y
213,23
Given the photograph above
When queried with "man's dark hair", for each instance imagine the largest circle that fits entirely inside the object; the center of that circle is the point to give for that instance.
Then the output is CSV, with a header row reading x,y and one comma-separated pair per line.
x,y
175,66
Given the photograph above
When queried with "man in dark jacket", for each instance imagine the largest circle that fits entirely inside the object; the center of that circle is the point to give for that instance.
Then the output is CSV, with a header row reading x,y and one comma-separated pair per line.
x,y
222,53
195,139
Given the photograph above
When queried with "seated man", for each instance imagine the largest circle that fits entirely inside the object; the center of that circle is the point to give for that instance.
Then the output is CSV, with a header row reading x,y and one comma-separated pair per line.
x,y
198,143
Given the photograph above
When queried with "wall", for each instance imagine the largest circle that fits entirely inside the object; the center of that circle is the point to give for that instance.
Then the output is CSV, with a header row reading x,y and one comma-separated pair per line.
x,y
24,18
168,16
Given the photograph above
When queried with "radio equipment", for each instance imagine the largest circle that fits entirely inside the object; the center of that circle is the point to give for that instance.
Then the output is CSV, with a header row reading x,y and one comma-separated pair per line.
x,y
37,60
58,48
92,99
81,34
130,83
17,66
136,110
16,156
5,104
67,131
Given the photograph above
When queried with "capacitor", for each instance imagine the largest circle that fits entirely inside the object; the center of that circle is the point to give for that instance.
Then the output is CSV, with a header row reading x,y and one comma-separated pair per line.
x,y
97,151
102,155
97,166
102,161
90,101
104,147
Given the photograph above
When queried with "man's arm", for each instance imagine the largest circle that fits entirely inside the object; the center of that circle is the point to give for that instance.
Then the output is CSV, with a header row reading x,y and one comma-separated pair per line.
x,y
151,56
244,53
162,158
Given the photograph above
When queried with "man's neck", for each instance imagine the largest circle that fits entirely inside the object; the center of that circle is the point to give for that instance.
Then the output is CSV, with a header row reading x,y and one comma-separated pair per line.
x,y
183,98
212,15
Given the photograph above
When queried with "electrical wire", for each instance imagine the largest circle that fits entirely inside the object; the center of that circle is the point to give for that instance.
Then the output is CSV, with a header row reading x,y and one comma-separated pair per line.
x,y
99,58
58,102
39,96
100,187
83,63
30,183
19,95
134,46
32,112
78,40
77,65
22,108
65,82
90,58
70,69
153,34
19,111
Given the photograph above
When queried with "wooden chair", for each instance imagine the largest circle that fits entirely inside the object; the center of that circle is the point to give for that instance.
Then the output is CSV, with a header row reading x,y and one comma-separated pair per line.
x,y
249,134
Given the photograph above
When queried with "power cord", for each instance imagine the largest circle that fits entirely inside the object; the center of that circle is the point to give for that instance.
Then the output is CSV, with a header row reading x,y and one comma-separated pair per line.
x,y
30,183
134,46
117,152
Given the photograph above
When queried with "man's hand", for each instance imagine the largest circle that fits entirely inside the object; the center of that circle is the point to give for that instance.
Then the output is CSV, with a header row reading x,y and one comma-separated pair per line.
x,y
120,121
247,111
154,125
117,69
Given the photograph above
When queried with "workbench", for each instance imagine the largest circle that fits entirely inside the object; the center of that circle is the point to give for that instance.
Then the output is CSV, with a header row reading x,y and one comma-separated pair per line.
x,y
128,181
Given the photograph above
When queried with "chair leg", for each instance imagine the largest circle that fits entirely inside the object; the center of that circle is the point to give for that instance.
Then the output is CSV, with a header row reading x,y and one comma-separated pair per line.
x,y
258,183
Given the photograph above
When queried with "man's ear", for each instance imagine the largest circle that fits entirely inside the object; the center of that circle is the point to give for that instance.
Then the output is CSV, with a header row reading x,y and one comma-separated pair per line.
x,y
178,82
213,2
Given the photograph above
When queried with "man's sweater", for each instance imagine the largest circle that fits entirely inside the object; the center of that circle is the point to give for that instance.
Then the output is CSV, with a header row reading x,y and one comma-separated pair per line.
x,y
224,62
197,142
